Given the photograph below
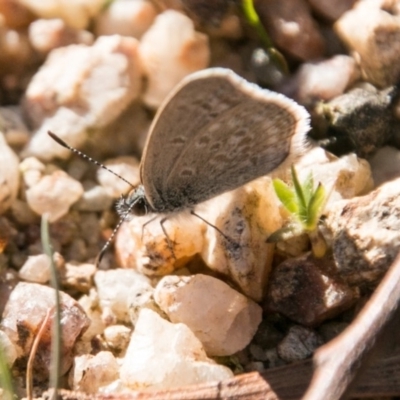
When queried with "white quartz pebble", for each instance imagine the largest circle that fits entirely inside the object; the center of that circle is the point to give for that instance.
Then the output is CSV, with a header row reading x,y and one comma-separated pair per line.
x,y
223,319
126,18
36,269
247,215
116,288
26,311
90,372
90,304
76,14
170,50
9,175
343,177
117,337
48,34
126,167
81,87
164,355
54,194
32,171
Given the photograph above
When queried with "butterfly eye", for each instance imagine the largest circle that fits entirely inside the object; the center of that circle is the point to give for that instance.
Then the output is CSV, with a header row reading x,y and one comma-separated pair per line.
x,y
133,204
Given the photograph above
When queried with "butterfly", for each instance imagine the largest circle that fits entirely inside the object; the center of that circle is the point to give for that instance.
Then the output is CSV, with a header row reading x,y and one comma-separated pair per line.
x,y
213,133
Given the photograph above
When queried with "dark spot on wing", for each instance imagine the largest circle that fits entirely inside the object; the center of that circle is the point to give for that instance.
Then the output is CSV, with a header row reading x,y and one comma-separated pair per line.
x,y
186,173
203,140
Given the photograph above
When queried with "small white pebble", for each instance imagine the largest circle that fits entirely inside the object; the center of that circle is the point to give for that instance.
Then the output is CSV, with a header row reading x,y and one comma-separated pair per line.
x,y
170,50
142,299
76,14
32,171
36,269
9,175
90,304
126,18
116,287
117,337
163,355
95,199
222,333
48,34
91,372
54,194
126,167
27,306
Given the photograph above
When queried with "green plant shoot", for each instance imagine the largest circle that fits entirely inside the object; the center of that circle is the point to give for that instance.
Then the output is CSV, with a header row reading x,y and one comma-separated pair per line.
x,y
6,384
57,331
253,20
305,203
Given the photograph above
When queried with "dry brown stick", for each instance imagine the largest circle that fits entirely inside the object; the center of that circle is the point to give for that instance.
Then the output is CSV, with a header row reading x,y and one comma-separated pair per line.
x,y
284,383
336,363
381,378
35,344
290,382
249,386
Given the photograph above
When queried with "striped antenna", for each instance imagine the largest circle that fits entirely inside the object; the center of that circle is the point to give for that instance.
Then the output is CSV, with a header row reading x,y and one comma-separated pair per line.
x,y
90,159
84,156
114,232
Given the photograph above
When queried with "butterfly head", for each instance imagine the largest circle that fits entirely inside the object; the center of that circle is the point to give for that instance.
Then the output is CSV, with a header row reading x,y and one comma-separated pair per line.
x,y
134,203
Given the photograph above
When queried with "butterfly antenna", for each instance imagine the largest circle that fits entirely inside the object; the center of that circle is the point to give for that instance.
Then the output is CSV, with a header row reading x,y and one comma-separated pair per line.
x,y
114,232
84,156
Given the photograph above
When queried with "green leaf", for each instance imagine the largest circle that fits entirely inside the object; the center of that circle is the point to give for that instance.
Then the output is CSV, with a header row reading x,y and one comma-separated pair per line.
x,y
286,195
301,201
308,187
5,378
315,206
298,189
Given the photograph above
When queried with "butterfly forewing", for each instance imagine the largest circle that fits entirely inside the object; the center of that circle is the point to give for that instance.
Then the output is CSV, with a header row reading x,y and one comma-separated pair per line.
x,y
193,103
215,133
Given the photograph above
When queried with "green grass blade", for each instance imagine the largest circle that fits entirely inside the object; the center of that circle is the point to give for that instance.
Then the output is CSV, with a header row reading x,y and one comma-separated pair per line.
x,y
252,18
315,207
308,187
301,201
298,189
5,378
56,336
286,195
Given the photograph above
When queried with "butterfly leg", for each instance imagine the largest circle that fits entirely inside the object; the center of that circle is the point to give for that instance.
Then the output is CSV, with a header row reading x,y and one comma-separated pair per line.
x,y
169,242
229,239
145,224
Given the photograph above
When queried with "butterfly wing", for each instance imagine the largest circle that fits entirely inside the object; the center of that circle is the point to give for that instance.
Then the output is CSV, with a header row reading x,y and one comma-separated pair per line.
x,y
196,101
214,133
